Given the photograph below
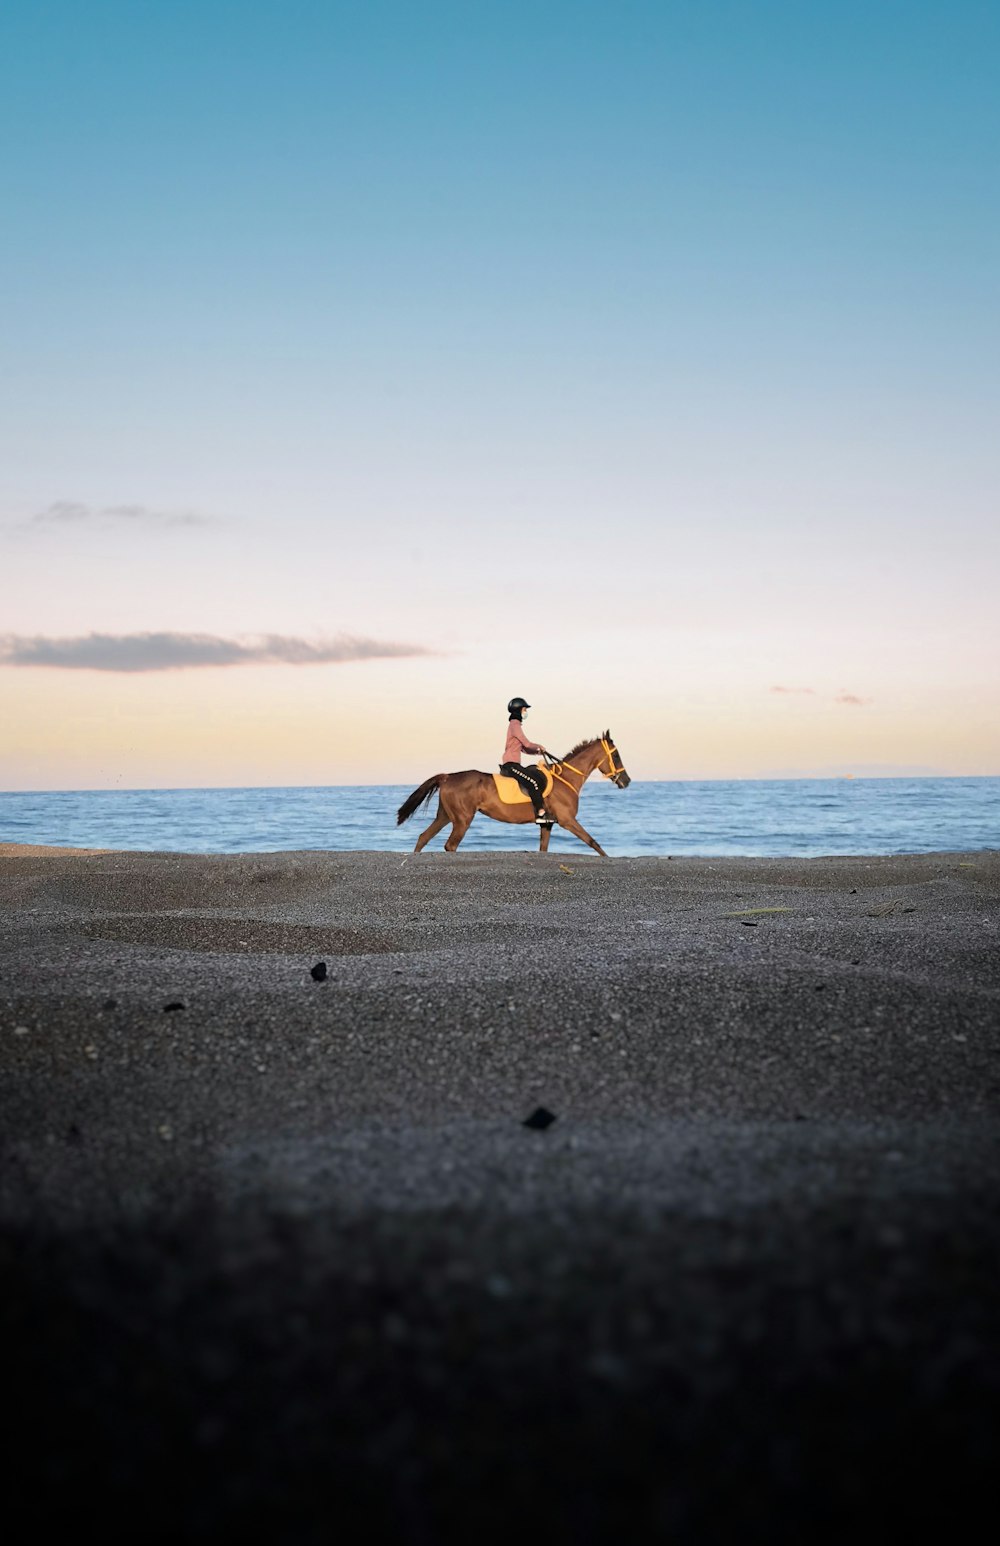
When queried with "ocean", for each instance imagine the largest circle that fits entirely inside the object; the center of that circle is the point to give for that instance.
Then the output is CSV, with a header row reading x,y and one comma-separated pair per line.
x,y
800,817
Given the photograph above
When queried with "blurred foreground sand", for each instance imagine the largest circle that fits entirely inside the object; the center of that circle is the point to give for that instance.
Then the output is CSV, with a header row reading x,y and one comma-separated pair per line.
x,y
281,1254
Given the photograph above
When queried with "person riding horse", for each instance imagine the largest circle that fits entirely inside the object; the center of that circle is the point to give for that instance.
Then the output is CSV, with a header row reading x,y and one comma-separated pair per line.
x,y
531,779
462,796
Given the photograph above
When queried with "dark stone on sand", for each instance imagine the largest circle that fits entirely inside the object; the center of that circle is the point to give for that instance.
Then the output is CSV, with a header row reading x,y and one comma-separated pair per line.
x,y
174,1004
318,972
110,1003
539,1119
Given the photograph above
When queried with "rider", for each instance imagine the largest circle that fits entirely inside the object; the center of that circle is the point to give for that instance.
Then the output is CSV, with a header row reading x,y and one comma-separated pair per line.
x,y
517,742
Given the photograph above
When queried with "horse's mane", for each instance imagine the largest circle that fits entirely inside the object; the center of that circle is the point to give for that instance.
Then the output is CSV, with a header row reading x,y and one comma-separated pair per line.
x,y
587,741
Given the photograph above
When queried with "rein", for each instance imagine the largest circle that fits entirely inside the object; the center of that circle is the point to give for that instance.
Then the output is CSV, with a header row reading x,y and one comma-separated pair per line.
x,y
609,751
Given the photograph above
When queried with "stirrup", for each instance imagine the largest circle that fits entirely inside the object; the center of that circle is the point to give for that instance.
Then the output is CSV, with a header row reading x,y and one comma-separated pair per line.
x,y
543,819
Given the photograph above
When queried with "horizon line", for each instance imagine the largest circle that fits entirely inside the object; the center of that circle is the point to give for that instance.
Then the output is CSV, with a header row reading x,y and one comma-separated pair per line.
x,y
797,778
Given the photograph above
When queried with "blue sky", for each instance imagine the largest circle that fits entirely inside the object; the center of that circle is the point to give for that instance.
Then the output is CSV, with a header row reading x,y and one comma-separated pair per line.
x,y
432,323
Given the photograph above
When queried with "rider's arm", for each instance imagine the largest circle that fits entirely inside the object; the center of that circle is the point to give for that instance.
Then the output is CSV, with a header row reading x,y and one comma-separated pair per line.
x,y
528,746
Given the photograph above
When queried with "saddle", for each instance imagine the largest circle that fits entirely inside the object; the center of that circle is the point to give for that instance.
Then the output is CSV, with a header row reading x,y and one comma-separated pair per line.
x,y
512,793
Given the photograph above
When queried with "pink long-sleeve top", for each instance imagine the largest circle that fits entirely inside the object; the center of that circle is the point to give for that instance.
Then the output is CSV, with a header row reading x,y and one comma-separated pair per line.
x,y
517,742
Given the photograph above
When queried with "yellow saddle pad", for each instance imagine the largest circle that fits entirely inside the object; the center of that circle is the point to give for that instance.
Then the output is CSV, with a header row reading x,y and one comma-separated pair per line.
x,y
513,793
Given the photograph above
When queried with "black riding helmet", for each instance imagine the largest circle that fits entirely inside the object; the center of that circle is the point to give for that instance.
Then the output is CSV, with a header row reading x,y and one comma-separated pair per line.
x,y
516,706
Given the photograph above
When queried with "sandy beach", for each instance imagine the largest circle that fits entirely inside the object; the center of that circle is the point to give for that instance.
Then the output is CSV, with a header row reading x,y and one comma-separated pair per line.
x,y
283,1256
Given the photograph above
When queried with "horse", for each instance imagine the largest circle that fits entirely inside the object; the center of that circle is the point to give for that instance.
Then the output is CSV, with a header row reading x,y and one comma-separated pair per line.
x,y
462,795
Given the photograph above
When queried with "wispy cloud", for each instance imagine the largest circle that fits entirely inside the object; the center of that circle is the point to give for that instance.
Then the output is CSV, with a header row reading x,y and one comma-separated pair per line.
x,y
842,697
185,651
70,512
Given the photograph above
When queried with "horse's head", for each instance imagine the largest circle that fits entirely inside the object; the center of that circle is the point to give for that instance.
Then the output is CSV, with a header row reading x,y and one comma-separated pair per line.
x,y
611,764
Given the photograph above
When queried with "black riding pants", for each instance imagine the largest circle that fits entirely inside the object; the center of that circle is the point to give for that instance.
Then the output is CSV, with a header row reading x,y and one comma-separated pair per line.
x,y
531,780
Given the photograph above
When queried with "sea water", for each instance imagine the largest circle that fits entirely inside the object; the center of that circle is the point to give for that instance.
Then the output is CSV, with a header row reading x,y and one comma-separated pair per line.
x,y
801,817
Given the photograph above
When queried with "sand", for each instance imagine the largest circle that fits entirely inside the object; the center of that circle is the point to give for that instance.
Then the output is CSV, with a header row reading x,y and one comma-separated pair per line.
x,y
281,1256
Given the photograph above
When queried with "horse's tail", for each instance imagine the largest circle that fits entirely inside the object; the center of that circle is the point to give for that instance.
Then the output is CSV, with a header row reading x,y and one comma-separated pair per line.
x,y
418,797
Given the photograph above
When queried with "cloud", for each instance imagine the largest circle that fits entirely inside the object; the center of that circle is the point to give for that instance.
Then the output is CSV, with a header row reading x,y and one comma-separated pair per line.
x,y
185,651
69,512
841,697
63,513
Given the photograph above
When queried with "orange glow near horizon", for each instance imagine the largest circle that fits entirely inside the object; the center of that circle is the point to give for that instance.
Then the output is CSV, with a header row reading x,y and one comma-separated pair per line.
x,y
396,721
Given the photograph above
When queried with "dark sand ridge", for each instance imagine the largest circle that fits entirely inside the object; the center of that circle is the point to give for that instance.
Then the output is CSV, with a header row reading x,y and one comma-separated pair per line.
x,y
288,1255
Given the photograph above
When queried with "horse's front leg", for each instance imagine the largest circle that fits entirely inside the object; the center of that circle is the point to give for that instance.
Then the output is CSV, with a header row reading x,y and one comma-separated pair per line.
x,y
544,833
572,825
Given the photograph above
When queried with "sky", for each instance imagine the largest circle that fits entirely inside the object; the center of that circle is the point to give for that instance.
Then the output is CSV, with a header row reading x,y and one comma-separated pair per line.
x,y
364,366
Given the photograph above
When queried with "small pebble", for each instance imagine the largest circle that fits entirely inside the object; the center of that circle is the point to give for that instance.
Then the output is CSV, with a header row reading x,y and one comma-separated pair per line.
x,y
539,1119
174,1004
318,972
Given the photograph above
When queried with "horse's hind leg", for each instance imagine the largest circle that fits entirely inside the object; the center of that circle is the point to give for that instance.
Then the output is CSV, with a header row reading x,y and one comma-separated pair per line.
x,y
463,802
459,827
440,820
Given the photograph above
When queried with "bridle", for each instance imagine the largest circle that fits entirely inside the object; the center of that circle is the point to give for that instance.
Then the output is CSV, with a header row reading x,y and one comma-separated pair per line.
x,y
610,751
611,771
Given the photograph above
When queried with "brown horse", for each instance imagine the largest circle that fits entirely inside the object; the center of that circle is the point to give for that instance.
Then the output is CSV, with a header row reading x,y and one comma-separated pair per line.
x,y
463,794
